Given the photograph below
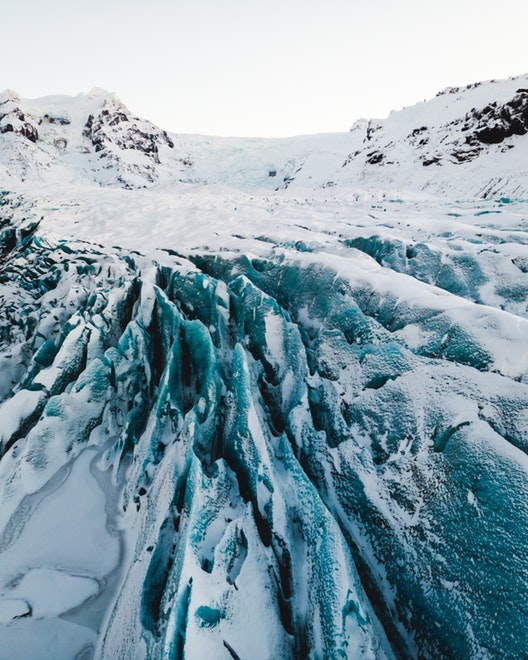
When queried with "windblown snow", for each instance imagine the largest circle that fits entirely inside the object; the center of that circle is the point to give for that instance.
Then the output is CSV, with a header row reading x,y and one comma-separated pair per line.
x,y
264,398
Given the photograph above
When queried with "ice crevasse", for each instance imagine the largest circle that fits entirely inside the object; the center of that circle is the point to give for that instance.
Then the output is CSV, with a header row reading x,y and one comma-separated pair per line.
x,y
276,456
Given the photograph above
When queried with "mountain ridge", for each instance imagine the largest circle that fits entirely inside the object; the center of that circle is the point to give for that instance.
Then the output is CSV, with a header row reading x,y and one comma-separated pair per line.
x,y
93,138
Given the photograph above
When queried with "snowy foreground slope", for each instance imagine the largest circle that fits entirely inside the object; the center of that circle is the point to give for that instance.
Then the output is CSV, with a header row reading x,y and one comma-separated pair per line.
x,y
264,398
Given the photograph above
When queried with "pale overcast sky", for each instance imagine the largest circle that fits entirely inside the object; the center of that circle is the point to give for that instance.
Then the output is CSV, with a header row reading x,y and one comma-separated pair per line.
x,y
259,67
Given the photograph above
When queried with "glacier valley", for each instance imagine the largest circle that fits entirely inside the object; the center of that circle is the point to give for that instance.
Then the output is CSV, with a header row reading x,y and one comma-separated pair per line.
x,y
264,398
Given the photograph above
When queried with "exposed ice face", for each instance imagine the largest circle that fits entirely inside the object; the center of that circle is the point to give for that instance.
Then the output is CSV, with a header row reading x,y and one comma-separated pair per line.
x,y
310,443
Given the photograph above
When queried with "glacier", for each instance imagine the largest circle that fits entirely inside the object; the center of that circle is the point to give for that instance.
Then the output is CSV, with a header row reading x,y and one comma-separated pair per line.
x,y
258,403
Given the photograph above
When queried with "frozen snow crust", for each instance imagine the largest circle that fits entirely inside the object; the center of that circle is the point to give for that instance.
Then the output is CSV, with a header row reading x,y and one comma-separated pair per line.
x,y
252,423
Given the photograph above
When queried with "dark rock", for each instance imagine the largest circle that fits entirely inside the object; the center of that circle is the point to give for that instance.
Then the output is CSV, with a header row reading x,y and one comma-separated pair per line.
x,y
434,160
49,119
117,118
27,130
30,132
496,123
518,126
374,157
492,134
465,156
87,130
168,141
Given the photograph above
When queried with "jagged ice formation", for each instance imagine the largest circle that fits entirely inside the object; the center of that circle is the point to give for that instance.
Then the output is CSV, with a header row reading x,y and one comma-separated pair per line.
x,y
256,423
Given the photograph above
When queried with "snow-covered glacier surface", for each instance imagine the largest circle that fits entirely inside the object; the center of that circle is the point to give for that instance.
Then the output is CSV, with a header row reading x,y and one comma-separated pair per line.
x,y
238,422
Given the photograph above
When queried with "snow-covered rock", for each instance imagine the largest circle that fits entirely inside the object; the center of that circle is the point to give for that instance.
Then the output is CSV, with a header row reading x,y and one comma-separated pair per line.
x,y
465,142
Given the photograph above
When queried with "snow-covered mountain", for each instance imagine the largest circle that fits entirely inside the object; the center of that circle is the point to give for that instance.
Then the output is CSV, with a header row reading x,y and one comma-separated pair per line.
x,y
466,141
264,398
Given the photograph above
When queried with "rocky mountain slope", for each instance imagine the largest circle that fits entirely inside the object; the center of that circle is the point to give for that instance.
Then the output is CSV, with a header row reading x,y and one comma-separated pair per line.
x,y
264,398
475,134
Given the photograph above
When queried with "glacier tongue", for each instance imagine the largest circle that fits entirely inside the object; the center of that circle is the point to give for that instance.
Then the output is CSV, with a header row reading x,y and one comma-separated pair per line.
x,y
315,449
